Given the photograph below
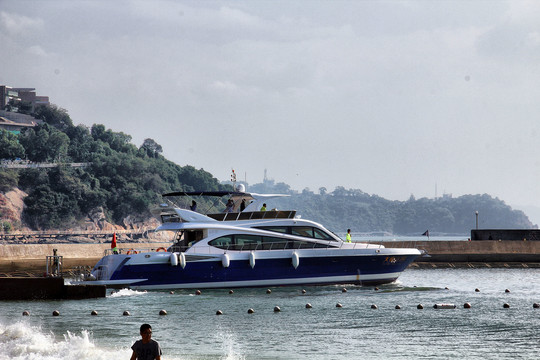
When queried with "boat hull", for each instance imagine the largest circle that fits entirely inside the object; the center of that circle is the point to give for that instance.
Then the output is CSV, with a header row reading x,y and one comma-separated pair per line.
x,y
276,271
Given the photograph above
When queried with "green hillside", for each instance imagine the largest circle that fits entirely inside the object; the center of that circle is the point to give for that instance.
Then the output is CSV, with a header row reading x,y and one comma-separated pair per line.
x,y
122,179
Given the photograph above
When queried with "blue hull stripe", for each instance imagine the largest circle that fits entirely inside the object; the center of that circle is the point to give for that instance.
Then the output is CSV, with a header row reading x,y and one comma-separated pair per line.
x,y
375,269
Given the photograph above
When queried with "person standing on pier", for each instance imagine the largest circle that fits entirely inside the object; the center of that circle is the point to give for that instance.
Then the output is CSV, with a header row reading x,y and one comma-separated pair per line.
x,y
113,244
146,348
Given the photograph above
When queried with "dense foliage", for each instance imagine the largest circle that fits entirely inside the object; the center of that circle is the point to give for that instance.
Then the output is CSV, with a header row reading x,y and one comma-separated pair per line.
x,y
121,179
361,212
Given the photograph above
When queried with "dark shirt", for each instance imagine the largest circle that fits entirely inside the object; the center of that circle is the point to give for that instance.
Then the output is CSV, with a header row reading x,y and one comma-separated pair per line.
x,y
146,351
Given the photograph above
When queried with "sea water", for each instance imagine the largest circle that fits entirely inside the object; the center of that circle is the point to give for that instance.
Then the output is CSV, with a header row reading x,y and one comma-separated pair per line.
x,y
192,330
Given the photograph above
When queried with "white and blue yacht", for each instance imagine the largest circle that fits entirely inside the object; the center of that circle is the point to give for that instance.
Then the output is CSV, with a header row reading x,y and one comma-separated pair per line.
x,y
248,248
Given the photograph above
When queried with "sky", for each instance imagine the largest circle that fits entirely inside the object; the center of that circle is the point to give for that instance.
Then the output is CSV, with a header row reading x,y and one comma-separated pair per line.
x,y
396,98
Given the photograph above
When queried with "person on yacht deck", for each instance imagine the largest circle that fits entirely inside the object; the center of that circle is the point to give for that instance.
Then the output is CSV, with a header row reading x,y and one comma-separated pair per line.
x,y
243,205
230,206
263,208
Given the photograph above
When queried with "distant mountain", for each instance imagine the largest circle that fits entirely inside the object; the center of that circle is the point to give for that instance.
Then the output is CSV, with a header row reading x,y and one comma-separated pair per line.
x,y
362,212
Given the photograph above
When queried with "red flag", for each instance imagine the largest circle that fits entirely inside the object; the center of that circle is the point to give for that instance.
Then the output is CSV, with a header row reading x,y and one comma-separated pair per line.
x,y
113,242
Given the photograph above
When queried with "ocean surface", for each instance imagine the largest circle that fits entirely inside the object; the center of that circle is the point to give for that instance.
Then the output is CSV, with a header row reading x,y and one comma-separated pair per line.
x,y
192,330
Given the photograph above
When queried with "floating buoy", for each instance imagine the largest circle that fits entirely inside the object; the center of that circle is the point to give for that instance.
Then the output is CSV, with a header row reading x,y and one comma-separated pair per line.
x,y
506,291
172,292
398,307
295,259
94,313
376,289
173,258
231,292
182,259
303,291
219,312
198,292
162,312
506,305
268,291
444,306
250,311
338,305
344,290
536,305
467,305
225,260
308,306
252,259
26,313
126,313
374,307
477,290
277,309
56,313
446,288
420,306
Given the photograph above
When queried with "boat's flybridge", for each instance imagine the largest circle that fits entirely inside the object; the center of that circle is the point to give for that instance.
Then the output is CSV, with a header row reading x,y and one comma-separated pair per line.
x,y
250,230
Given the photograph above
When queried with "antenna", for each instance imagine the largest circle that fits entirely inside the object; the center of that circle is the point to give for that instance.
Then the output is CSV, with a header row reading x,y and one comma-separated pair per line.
x,y
233,179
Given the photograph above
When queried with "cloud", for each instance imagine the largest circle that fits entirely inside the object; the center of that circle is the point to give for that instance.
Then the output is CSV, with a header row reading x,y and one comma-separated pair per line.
x,y
15,24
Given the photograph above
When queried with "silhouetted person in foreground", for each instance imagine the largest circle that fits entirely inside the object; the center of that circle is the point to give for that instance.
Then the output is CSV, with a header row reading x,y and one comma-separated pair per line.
x,y
146,348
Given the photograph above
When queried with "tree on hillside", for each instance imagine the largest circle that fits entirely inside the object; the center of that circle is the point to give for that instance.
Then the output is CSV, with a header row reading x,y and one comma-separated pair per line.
x,y
54,116
44,143
10,148
151,148
117,141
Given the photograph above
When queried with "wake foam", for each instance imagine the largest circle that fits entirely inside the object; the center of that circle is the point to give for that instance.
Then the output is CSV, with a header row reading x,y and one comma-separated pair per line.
x,y
21,341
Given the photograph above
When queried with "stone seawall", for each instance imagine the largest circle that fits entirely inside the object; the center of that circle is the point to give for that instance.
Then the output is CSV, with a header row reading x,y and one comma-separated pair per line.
x,y
489,251
32,257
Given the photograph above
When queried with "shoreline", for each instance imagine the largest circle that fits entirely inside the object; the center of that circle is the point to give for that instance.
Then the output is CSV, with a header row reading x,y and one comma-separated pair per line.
x,y
30,259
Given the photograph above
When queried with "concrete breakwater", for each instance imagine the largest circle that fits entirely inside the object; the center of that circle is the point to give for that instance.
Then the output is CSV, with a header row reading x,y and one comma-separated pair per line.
x,y
487,251
32,257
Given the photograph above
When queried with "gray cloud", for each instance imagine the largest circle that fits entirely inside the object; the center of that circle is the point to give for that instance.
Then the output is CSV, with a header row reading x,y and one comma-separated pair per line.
x,y
390,97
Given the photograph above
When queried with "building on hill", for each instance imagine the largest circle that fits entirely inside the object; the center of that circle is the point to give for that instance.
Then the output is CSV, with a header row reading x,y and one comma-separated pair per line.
x,y
7,94
15,122
10,95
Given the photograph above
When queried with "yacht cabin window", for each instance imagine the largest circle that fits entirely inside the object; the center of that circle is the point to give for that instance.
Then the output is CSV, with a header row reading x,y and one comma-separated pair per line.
x,y
255,242
304,231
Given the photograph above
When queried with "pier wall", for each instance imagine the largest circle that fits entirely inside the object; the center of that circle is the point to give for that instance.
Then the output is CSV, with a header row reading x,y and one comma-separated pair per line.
x,y
488,251
32,257
506,234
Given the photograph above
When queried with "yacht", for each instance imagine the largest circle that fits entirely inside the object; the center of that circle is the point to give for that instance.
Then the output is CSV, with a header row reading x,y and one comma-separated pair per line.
x,y
247,247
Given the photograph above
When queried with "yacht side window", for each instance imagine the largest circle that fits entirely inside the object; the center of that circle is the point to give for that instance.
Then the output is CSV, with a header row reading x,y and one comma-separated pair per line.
x,y
247,242
305,231
224,242
279,229
319,234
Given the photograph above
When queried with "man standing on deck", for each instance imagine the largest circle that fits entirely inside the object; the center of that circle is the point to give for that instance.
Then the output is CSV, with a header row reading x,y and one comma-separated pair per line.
x,y
348,236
